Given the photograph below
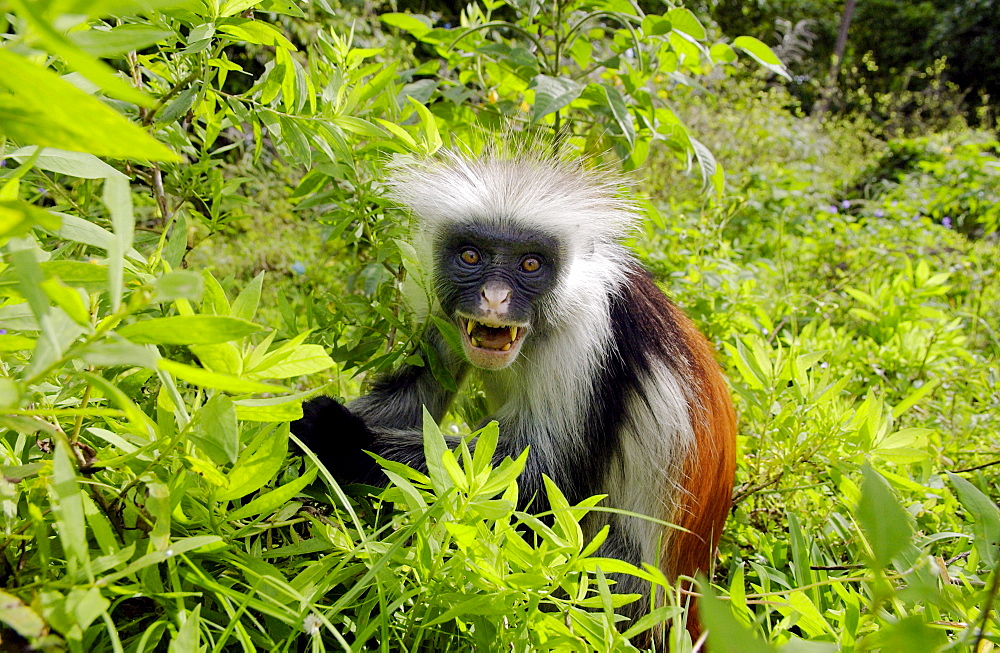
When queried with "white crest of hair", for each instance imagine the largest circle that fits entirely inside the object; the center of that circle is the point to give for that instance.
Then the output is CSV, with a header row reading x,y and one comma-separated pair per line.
x,y
560,198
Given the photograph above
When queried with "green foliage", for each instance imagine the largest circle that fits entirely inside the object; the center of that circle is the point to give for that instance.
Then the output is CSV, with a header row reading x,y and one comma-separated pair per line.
x,y
583,69
149,499
951,180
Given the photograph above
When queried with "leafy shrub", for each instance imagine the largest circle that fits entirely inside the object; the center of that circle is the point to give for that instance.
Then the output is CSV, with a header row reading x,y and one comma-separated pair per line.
x,y
583,70
954,181
148,501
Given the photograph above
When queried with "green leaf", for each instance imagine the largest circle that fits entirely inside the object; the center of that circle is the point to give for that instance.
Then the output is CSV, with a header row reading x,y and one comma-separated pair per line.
x,y
215,300
487,439
20,618
107,43
432,143
90,67
722,53
233,7
434,448
224,358
257,464
653,25
75,164
10,342
188,637
10,393
439,370
762,54
566,521
450,333
915,397
801,560
83,231
885,524
176,247
118,199
304,359
67,504
615,102
28,277
414,24
179,284
188,330
711,171
255,31
725,633
115,350
808,616
75,611
399,133
42,109
552,94
177,547
18,217
215,380
92,277
275,498
245,305
271,409
986,516
748,364
682,20
286,7
214,429
72,301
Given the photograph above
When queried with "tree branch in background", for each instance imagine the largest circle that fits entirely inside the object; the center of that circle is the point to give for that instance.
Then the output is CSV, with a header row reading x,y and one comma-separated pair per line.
x,y
838,57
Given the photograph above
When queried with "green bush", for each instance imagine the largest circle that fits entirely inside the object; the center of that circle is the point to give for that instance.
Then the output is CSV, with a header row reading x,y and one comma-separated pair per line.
x,y
952,180
149,501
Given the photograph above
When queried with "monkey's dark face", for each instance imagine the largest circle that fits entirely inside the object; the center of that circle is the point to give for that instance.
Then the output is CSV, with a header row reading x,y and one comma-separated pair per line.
x,y
493,281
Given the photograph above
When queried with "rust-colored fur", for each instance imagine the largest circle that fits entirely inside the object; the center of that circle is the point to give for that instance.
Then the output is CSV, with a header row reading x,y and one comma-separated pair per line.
x,y
708,474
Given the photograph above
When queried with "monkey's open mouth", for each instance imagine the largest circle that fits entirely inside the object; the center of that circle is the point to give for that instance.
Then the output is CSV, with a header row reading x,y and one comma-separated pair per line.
x,y
484,336
491,345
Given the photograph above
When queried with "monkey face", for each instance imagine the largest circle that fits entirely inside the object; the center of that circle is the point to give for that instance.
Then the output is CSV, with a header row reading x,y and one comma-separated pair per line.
x,y
491,281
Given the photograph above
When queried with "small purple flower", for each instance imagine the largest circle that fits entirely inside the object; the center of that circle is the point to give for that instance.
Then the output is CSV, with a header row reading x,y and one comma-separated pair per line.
x,y
946,222
846,204
830,209
879,213
3,163
298,267
894,203
3,332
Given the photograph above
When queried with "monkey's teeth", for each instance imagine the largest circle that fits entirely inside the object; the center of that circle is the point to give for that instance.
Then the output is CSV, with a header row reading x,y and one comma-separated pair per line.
x,y
513,334
475,342
506,347
470,326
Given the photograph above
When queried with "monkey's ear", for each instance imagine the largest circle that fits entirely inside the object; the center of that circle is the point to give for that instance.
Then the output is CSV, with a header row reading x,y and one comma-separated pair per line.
x,y
339,438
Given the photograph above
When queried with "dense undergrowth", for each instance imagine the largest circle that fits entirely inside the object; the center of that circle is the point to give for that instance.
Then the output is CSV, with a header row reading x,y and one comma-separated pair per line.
x,y
162,322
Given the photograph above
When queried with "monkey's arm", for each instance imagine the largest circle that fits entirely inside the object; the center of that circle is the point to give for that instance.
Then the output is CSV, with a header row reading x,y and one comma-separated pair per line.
x,y
388,421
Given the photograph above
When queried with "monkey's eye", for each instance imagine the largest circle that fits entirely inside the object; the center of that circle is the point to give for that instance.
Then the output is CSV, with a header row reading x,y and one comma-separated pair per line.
x,y
469,256
531,264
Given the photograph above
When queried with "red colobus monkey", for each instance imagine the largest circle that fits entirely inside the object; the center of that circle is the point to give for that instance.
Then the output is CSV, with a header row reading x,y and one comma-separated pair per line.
x,y
581,356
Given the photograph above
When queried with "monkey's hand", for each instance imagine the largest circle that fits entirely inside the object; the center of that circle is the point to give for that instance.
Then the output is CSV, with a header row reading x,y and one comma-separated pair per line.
x,y
339,438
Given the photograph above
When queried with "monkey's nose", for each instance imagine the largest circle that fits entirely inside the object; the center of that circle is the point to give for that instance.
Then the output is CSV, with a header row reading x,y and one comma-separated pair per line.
x,y
496,297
